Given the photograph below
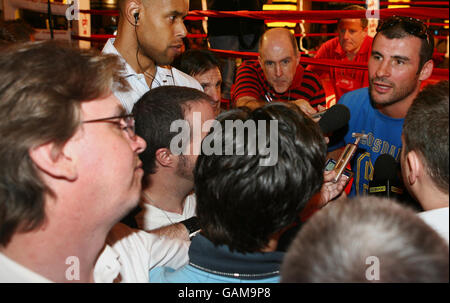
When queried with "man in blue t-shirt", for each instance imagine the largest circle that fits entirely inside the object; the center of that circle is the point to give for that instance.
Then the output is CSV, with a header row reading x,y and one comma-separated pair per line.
x,y
400,60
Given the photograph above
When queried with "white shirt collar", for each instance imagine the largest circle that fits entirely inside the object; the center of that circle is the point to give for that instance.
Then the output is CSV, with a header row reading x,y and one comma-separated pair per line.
x,y
109,48
13,272
107,267
106,270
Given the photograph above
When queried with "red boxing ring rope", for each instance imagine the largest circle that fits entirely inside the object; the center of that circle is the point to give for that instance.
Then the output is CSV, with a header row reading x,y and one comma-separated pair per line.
x,y
322,15
438,73
426,3
416,12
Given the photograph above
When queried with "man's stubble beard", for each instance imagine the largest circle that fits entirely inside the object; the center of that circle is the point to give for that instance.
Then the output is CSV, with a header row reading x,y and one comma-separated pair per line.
x,y
184,170
156,57
395,97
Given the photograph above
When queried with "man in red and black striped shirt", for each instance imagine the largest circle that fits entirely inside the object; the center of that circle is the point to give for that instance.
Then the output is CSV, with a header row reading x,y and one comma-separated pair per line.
x,y
277,76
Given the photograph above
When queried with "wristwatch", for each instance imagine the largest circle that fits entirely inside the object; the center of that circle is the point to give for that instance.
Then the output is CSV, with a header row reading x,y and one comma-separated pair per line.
x,y
192,225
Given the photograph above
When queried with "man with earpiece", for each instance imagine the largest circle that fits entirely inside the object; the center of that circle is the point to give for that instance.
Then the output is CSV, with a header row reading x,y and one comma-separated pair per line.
x,y
149,37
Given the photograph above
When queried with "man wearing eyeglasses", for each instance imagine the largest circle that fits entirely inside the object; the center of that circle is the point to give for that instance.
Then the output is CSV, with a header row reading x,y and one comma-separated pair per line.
x,y
400,61
69,171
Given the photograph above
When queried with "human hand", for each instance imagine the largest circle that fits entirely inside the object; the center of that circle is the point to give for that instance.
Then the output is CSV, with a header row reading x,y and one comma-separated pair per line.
x,y
328,192
331,190
305,106
320,108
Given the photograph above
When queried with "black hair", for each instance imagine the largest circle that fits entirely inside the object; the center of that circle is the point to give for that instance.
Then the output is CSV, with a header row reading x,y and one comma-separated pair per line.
x,y
399,27
155,111
198,61
242,203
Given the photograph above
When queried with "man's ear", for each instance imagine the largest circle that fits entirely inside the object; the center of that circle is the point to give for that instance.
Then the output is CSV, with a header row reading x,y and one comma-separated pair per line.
x,y
426,71
413,166
260,60
54,161
298,57
164,157
131,8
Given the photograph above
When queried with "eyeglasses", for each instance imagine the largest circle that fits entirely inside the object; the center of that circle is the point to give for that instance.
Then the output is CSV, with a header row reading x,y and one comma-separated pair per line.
x,y
410,25
127,120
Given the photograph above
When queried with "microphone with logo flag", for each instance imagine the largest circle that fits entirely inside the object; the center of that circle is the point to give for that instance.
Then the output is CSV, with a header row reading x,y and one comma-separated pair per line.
x,y
386,182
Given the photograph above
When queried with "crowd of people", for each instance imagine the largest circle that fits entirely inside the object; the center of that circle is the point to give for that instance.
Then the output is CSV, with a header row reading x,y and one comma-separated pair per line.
x,y
119,167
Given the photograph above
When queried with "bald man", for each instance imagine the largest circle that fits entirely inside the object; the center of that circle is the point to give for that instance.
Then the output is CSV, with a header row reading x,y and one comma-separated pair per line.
x,y
277,76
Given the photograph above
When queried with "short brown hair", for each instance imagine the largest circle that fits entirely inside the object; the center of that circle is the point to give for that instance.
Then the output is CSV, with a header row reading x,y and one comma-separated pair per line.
x,y
336,244
364,21
425,131
41,88
13,31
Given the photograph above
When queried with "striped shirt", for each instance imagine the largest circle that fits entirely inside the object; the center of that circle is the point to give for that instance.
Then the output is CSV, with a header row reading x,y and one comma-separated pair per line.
x,y
251,82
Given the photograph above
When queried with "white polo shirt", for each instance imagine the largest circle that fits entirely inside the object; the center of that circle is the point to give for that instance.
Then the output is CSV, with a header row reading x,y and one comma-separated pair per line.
x,y
139,87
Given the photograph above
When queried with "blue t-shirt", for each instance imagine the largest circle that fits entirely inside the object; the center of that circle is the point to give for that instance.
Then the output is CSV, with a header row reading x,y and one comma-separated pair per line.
x,y
384,137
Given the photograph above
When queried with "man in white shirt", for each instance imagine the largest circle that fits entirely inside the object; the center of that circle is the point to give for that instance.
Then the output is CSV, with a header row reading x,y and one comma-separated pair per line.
x,y
424,157
70,171
149,37
168,174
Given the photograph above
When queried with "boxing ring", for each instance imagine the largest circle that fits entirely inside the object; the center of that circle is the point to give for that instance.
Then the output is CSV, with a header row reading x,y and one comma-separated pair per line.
x,y
79,30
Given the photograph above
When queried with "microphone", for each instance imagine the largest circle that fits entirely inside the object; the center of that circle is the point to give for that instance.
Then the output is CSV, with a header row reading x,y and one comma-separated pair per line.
x,y
385,181
347,155
333,118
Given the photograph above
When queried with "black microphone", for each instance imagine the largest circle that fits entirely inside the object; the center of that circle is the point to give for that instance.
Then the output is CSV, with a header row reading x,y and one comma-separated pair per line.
x,y
333,118
386,182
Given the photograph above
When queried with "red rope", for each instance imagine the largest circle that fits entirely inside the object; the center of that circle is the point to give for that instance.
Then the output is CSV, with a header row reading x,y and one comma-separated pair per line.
x,y
249,55
296,35
304,60
426,3
93,37
439,73
436,24
99,37
102,12
416,12
197,36
315,35
308,21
